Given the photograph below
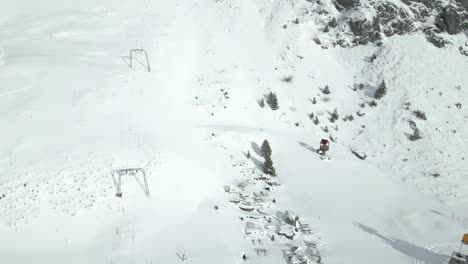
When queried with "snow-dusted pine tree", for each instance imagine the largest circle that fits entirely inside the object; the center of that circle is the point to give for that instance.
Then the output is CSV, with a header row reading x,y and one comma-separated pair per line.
x,y
265,149
272,101
268,167
381,91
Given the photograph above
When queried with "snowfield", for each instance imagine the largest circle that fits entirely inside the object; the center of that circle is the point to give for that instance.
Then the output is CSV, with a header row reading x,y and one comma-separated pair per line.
x,y
72,111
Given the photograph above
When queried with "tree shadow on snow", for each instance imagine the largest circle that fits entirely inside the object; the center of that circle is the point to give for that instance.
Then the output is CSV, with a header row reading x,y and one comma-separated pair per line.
x,y
280,215
126,59
307,146
258,163
116,185
411,250
142,186
437,213
369,90
256,148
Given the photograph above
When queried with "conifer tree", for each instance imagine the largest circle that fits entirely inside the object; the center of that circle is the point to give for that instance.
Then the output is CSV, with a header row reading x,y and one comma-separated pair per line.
x,y
272,101
268,167
265,149
381,91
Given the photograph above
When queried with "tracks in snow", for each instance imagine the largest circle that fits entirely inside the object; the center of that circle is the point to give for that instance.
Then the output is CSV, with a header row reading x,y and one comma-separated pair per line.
x,y
435,246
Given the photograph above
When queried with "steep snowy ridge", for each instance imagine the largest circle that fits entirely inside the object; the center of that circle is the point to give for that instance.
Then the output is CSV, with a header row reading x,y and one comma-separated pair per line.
x,y
72,112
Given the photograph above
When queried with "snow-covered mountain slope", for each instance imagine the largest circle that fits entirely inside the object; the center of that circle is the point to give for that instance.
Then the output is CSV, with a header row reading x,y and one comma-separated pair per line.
x,y
72,111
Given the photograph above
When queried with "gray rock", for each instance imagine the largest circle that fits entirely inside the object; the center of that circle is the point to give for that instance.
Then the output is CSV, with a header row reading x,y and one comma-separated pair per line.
x,y
428,3
345,4
440,24
360,27
462,3
435,39
333,23
463,51
452,20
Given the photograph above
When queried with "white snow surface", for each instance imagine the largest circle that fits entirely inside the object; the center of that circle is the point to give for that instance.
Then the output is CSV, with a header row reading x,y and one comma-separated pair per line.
x,y
72,111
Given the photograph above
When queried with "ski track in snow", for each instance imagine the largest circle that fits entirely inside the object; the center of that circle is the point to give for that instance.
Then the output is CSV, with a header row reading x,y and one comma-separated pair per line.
x,y
2,53
451,247
12,92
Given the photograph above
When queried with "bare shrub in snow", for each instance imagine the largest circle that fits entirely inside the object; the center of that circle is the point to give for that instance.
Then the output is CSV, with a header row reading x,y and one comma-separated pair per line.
x,y
415,136
420,114
373,103
416,133
326,90
348,118
288,79
316,121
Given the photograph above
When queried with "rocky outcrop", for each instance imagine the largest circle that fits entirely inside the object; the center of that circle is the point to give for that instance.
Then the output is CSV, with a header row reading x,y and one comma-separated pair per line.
x,y
452,18
435,39
464,50
365,31
366,21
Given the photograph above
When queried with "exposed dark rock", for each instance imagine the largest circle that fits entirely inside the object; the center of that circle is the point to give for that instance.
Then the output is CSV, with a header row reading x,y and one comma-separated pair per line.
x,y
360,27
464,52
345,4
428,3
440,24
333,23
386,12
452,20
462,3
435,39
